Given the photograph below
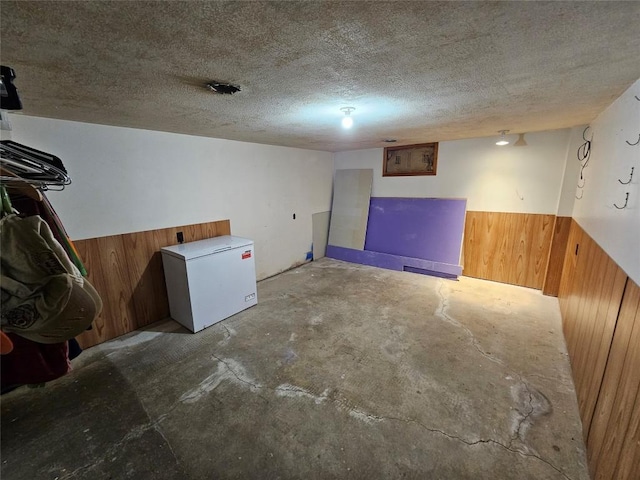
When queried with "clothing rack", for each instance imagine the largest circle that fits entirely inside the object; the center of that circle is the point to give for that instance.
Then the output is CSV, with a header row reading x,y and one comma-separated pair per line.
x,y
32,166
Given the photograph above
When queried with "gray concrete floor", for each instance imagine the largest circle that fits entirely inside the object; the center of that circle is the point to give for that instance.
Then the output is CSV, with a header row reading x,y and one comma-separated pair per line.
x,y
340,371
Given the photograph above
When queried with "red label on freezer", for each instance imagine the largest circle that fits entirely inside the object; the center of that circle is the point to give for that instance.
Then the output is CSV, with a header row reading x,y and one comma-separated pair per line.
x,y
246,255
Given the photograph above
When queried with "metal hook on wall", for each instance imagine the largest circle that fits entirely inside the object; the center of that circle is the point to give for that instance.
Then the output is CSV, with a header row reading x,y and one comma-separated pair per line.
x,y
633,144
630,178
583,182
581,195
626,200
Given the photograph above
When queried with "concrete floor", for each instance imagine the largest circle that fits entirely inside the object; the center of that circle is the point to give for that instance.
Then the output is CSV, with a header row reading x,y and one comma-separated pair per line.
x,y
340,371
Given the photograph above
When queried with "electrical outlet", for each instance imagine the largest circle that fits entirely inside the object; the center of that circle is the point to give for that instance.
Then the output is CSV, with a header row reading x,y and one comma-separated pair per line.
x,y
180,237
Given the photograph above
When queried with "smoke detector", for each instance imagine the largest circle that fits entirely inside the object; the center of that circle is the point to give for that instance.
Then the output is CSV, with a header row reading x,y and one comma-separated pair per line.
x,y
222,88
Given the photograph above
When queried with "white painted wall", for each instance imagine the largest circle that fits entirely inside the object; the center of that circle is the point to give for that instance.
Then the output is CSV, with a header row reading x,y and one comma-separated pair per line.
x,y
571,172
491,178
127,180
616,231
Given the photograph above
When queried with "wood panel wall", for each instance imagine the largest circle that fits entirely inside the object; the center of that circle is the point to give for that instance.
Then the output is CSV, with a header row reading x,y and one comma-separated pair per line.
x,y
601,323
590,294
614,439
556,256
127,272
508,247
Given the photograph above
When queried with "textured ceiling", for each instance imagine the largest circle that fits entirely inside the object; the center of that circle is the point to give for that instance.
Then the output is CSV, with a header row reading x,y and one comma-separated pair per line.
x,y
414,71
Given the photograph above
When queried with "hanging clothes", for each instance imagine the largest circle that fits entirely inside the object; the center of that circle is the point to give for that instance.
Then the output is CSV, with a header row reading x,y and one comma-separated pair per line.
x,y
32,363
29,363
46,300
44,296
28,206
51,217
6,345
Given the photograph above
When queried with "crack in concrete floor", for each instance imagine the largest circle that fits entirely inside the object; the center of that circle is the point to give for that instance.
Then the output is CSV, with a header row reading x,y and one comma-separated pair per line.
x,y
441,312
327,395
480,441
155,425
517,431
225,353
112,452
361,415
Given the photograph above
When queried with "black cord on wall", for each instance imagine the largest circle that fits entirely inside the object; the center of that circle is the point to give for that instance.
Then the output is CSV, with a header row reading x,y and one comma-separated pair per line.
x,y
584,153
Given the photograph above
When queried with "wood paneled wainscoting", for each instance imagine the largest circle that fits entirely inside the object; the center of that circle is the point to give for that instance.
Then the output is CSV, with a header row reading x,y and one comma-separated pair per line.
x,y
600,309
126,270
508,247
556,256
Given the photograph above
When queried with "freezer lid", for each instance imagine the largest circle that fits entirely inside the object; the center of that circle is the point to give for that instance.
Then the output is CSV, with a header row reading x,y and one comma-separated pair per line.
x,y
209,246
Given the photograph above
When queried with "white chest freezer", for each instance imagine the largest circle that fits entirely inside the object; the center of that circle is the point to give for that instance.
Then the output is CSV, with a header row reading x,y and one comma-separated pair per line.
x,y
209,280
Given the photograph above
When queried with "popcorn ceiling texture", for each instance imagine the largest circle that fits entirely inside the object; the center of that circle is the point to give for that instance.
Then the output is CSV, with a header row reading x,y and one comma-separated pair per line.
x,y
415,71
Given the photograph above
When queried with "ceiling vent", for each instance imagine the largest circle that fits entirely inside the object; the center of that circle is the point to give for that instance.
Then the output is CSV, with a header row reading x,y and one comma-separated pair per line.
x,y
223,88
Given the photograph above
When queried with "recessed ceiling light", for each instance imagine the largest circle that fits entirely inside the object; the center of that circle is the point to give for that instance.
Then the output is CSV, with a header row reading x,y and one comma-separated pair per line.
x,y
389,140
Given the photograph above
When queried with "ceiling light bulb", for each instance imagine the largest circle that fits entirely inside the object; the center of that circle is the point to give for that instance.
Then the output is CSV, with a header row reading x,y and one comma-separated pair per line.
x,y
347,121
503,140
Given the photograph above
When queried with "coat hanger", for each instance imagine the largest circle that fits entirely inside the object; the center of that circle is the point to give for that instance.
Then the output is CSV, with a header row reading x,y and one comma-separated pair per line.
x,y
33,166
15,184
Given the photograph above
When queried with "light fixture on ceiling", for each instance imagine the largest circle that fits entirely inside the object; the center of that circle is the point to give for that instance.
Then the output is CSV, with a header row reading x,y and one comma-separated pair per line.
x,y
347,121
222,88
503,139
521,142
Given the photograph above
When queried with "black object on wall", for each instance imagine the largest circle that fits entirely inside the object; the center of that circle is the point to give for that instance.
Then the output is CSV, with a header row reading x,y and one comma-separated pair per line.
x,y
9,99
